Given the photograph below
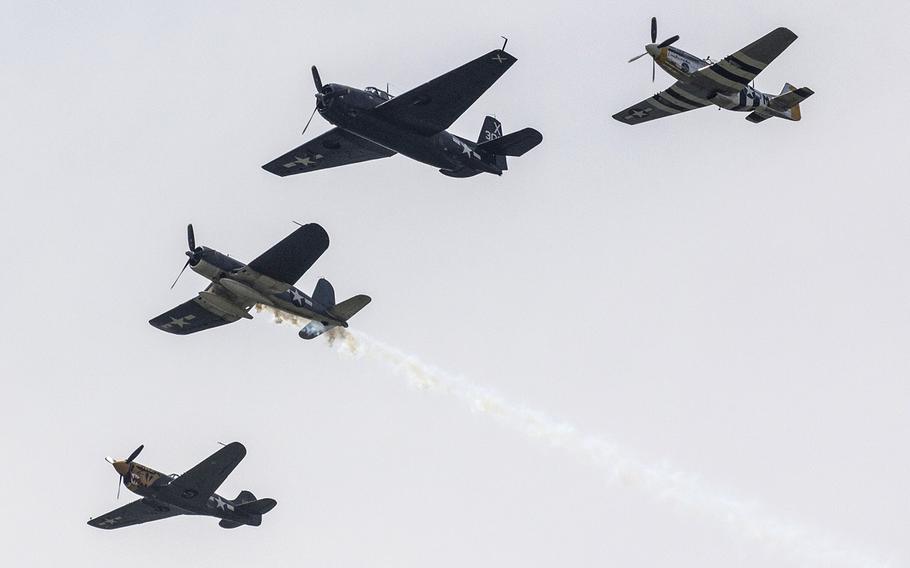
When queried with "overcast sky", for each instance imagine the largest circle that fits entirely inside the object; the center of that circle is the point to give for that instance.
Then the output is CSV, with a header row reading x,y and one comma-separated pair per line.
x,y
728,298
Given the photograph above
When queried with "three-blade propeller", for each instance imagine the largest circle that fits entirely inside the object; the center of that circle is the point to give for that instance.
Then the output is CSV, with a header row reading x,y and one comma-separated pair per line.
x,y
320,92
127,461
654,48
193,253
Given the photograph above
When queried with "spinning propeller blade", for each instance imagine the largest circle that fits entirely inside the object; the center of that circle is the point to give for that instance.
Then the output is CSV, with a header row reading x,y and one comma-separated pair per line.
x,y
320,88
135,453
316,79
667,42
181,273
191,242
128,460
654,48
310,120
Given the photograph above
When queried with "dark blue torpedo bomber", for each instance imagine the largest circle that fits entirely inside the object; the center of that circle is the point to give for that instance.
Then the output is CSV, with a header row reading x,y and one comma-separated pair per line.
x,y
370,124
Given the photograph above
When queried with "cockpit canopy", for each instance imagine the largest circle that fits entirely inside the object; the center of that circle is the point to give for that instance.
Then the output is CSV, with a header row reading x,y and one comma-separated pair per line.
x,y
379,93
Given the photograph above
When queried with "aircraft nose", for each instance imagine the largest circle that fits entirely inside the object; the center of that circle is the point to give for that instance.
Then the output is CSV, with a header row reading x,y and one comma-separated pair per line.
x,y
324,97
121,467
652,49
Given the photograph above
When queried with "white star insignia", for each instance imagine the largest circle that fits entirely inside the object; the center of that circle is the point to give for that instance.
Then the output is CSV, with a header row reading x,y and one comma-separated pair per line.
x,y
499,58
639,113
465,149
223,505
296,296
308,161
181,322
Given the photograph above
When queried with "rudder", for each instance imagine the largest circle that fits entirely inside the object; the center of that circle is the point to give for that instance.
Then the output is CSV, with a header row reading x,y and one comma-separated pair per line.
x,y
787,103
491,130
324,293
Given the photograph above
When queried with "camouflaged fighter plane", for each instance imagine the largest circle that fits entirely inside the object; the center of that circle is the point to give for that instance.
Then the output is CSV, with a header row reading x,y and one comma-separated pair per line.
x,y
192,493
371,124
725,83
268,280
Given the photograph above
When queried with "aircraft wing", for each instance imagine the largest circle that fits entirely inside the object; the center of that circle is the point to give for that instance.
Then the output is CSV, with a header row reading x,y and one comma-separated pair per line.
x,y
135,513
336,147
434,106
288,260
198,484
192,316
734,72
672,101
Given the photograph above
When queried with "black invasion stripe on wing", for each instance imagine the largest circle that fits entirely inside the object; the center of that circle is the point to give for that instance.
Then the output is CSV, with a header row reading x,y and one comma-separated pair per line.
x,y
667,103
733,60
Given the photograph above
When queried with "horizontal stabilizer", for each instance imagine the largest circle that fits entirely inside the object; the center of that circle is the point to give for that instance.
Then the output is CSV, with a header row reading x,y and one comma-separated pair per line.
x,y
790,99
257,507
346,309
514,144
226,524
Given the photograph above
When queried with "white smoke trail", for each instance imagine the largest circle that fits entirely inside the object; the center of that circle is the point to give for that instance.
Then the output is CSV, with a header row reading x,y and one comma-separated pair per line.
x,y
742,518
808,546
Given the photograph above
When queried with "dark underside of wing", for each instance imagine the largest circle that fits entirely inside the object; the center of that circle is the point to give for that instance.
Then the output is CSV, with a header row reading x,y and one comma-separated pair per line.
x,y
135,513
735,71
199,483
190,317
336,147
434,106
678,98
288,260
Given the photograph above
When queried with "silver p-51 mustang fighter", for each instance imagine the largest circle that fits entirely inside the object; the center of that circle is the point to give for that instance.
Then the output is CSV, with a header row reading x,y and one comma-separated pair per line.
x,y
702,82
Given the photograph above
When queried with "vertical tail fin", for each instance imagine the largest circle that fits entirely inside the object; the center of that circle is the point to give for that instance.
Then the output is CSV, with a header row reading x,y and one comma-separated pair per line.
x,y
244,497
786,104
491,130
787,88
324,293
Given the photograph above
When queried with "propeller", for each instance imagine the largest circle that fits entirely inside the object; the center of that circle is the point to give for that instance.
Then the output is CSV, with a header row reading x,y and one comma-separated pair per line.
x,y
654,48
321,91
135,453
127,461
194,254
316,79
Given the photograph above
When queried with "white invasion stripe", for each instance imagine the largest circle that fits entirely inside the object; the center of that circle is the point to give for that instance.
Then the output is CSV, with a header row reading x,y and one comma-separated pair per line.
x,y
652,101
749,61
703,101
677,101
736,70
659,481
720,79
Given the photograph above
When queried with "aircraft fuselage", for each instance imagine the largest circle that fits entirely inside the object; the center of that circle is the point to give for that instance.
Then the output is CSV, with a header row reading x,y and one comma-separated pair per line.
x,y
237,287
350,108
681,65
146,482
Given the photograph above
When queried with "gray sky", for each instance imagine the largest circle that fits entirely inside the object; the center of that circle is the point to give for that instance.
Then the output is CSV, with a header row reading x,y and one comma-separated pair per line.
x,y
725,297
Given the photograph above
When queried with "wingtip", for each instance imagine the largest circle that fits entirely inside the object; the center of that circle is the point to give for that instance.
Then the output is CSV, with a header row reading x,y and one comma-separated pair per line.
x,y
238,446
787,32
